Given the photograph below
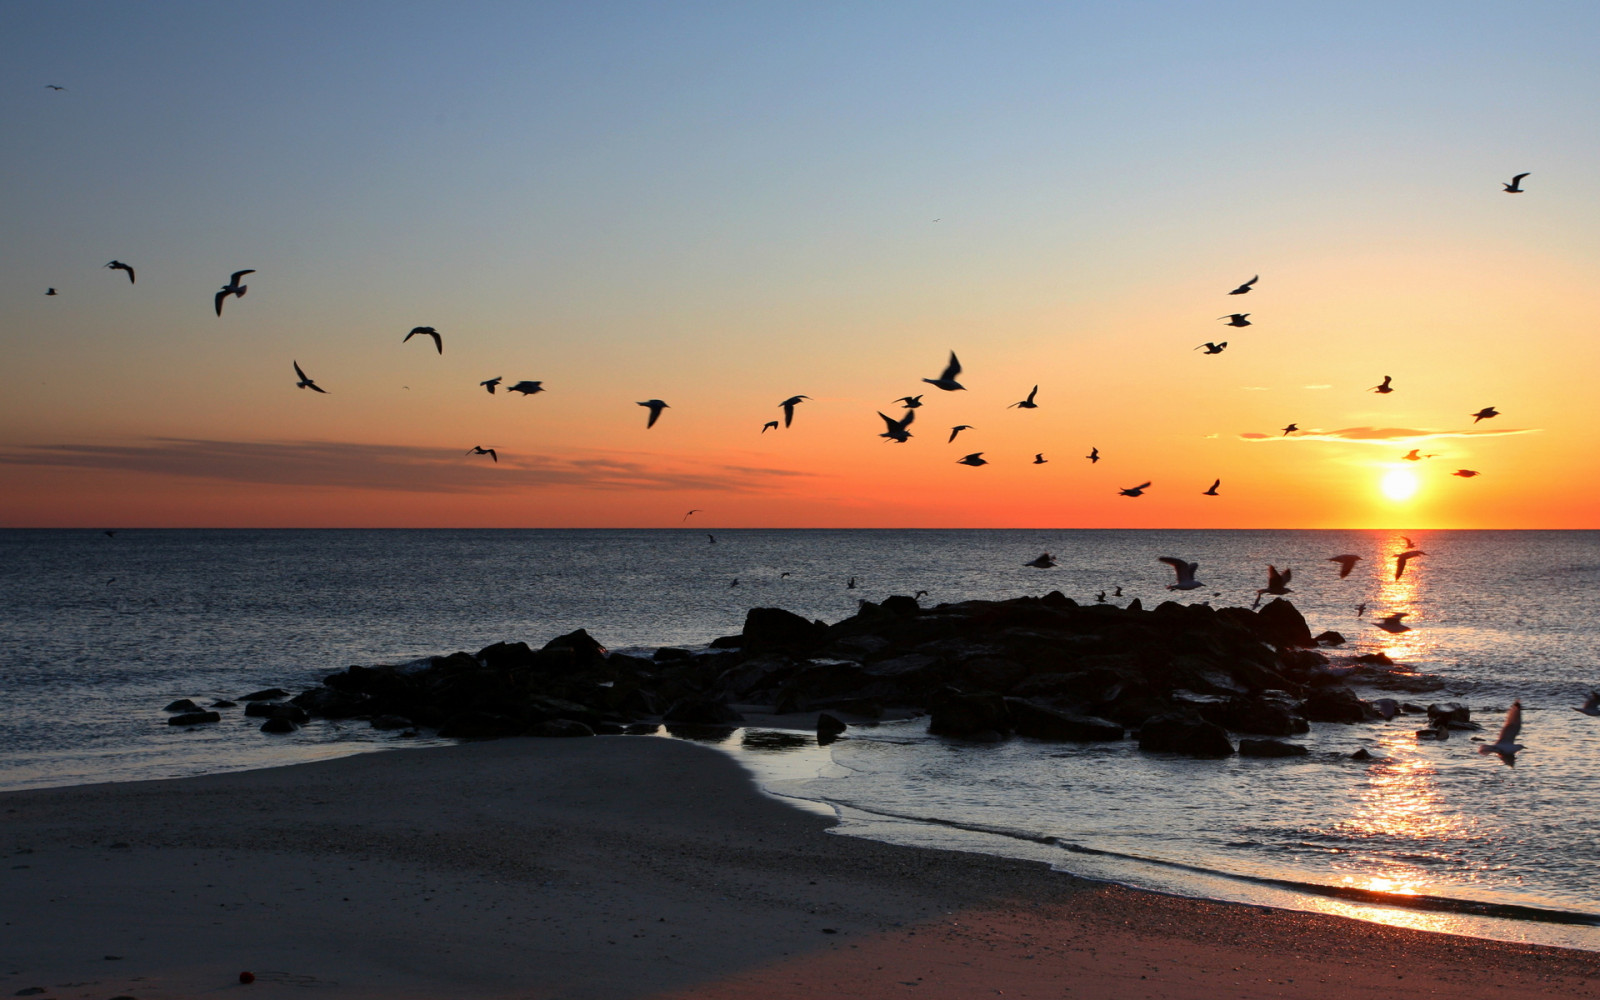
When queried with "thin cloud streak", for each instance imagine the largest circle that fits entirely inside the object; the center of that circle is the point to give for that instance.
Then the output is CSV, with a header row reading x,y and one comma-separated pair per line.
x,y
1385,435
402,468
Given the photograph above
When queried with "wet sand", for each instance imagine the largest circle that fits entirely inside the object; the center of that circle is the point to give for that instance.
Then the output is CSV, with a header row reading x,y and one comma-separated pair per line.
x,y
622,867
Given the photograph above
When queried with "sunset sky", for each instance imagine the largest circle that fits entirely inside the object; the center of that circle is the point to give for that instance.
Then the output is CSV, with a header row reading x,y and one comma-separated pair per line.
x,y
722,205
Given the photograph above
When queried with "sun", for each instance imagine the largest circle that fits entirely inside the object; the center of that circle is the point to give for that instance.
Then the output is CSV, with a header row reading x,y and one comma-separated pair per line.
x,y
1399,484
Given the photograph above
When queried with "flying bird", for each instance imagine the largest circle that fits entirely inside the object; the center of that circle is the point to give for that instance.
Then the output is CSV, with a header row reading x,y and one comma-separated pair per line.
x,y
1466,473
1409,543
1027,404
1236,319
118,265
1245,288
1277,583
51,86
1403,558
427,331
1485,414
695,511
1213,490
911,402
957,429
770,425
1134,491
50,291
479,449
1290,429
305,382
788,408
1515,187
490,383
1383,388
1039,459
851,585
1185,571
1506,745
1045,561
1346,564
947,378
1361,609
1414,455
656,406
1211,348
1591,705
896,431
1117,592
975,459
712,538
1100,598
233,287
526,387
1094,456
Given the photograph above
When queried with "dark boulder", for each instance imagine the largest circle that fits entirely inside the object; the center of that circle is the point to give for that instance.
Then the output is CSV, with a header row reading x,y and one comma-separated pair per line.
x,y
331,704
586,651
1334,705
1448,712
775,628
1270,748
268,694
968,716
560,728
276,710
1184,733
727,642
194,718
182,705
901,606
1043,723
224,703
1260,716
701,712
1281,624
670,653
1328,638
829,728
278,725
478,726
1377,659
390,722
1385,708
506,656
1362,754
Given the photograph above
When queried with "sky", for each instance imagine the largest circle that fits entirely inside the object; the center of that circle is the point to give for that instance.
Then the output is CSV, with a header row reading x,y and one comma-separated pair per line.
x,y
724,205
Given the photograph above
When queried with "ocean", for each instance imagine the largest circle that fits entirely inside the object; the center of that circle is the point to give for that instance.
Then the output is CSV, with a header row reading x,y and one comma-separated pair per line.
x,y
98,632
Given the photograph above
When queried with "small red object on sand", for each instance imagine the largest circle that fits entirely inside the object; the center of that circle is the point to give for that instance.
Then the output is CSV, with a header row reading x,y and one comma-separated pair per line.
x,y
247,977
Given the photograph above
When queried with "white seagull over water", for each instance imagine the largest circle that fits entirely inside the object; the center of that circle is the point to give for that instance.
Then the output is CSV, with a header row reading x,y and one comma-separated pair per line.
x,y
1392,623
1506,744
947,378
1185,571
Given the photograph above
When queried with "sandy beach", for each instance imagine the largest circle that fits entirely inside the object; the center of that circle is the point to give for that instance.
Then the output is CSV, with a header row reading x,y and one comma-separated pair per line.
x,y
622,867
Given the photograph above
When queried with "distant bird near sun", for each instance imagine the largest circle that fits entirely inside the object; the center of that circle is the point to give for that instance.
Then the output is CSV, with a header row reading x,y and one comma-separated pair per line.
x,y
975,459
1403,558
1346,564
1026,404
1466,473
233,288
655,406
1414,455
957,429
1213,490
947,378
1134,491
527,387
1485,414
479,449
1244,289
1515,187
1383,388
1211,348
1236,319
1290,429
1185,571
426,331
118,265
305,383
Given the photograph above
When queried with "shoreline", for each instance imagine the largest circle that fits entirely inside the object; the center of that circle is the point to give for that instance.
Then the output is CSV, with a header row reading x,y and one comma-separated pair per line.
x,y
619,867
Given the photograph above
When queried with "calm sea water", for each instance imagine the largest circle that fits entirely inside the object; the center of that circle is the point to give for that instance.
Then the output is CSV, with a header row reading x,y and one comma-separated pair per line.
x,y
97,633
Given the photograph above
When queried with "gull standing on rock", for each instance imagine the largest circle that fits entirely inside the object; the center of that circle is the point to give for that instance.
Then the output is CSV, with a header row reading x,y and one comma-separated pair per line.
x,y
1185,571
426,331
947,378
233,288
305,383
1506,744
655,406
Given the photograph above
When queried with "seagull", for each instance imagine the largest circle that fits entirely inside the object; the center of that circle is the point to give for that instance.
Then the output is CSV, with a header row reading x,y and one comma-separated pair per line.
x,y
1093,456
1185,571
490,383
788,408
897,428
783,576
712,539
912,402
957,429
1045,561
1039,459
770,425
1211,348
1403,558
1412,456
1100,598
1591,705
1027,404
1277,583
1361,609
1485,414
118,265
51,86
851,585
1213,490
1290,429
1245,288
1346,564
1392,623
111,534
427,331
1236,319
1383,388
656,406
50,291
1515,187
1409,543
1466,473
947,379
305,383
526,387
975,459
735,582
1134,491
233,287
695,511
1506,744
479,449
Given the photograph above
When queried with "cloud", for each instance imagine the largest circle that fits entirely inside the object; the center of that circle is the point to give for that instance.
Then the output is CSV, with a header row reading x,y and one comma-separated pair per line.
x,y
1316,387
403,468
1386,435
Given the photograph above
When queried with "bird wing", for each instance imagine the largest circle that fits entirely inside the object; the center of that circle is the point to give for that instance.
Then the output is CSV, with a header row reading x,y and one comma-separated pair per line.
x,y
1032,394
314,387
220,296
1184,570
1142,486
438,345
1251,281
1216,484
952,369
1517,179
239,274
1513,726
298,371
493,455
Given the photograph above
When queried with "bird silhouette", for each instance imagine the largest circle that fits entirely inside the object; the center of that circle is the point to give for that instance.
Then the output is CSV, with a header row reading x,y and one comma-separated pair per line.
x,y
770,425
1409,543
1117,592
695,511
1045,561
851,585
1414,455
51,86
118,265
711,539
1466,473
1039,459
656,406
1591,705
1100,598
1185,571
1403,558
1383,388
911,402
1505,745
1026,404
1361,609
479,449
897,431
1093,456
1277,583
788,408
1515,187
427,331
50,291
975,459
1213,490
1244,289
233,287
1211,348
527,387
1290,429
1236,319
1485,414
947,378
1346,564
1134,491
305,382
957,429
491,383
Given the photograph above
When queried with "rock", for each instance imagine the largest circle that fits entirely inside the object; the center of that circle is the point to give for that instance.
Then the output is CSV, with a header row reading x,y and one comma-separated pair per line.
x,y
1261,716
1328,638
1434,734
561,728
478,726
1042,723
701,712
331,704
506,656
968,716
182,705
901,605
670,653
1282,624
1184,733
775,628
1270,748
1448,712
277,710
194,718
1334,705
1380,659
1385,708
390,722
828,728
269,694
278,724
1362,754
577,650
1409,709
224,703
